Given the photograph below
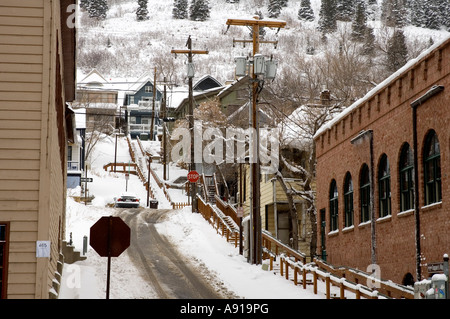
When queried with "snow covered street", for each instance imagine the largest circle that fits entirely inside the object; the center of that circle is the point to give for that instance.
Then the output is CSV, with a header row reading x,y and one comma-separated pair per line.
x,y
194,238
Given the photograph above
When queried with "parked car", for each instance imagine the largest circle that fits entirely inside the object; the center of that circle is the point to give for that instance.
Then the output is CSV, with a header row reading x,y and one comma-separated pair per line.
x,y
127,200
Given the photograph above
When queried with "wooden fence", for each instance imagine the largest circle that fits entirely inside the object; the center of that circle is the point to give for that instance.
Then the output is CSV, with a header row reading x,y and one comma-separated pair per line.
x,y
217,220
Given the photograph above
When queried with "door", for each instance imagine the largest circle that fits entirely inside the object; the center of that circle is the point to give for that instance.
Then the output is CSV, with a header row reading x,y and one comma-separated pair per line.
x,y
283,226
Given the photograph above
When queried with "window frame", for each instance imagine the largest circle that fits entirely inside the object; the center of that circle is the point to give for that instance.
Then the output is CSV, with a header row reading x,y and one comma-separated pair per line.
x,y
364,192
384,187
348,201
433,186
334,206
406,172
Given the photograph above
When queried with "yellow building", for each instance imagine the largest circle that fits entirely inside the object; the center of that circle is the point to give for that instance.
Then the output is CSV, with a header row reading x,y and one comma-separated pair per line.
x,y
37,78
274,209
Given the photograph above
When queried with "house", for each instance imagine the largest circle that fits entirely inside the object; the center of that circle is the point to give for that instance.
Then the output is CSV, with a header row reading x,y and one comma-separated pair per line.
x,y
76,151
143,101
383,186
37,77
205,89
100,99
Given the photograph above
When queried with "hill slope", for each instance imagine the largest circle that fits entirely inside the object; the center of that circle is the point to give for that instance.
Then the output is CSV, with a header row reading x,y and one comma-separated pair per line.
x,y
121,46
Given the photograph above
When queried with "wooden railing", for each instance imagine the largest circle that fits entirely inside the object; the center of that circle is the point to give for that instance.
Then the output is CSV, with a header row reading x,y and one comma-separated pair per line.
x,y
388,288
125,167
216,220
227,209
274,247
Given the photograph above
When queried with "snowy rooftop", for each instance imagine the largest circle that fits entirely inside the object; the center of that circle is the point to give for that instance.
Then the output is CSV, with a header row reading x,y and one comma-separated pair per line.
x,y
380,86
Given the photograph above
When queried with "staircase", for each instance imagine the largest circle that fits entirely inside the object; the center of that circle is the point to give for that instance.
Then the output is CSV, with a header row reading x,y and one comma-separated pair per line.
x,y
208,183
70,254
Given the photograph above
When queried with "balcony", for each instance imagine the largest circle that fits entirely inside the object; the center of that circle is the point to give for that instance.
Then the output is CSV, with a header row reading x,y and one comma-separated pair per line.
x,y
73,166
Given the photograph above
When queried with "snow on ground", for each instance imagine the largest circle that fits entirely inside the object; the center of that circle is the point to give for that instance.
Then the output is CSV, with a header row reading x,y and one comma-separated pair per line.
x,y
193,236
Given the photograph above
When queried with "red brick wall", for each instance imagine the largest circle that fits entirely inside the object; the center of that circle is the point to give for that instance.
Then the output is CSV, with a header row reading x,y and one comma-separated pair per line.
x,y
388,113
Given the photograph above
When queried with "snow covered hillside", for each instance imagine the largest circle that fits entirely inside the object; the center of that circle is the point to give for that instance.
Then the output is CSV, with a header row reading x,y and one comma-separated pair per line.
x,y
121,46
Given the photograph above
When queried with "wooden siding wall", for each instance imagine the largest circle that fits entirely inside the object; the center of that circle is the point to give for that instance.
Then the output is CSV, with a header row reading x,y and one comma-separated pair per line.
x,y
32,185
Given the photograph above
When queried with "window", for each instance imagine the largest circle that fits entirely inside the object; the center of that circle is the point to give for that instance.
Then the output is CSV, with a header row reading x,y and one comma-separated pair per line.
x,y
148,89
333,206
432,169
384,187
348,200
406,178
364,193
131,99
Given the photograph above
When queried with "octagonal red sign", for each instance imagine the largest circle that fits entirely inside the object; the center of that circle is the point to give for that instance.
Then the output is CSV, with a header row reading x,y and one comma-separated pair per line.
x,y
110,236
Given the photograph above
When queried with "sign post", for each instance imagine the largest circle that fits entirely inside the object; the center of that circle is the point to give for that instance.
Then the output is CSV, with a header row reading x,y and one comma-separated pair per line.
x,y
110,236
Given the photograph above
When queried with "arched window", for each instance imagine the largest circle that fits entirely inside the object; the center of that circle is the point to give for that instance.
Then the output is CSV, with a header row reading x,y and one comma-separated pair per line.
x,y
406,168
364,193
348,200
333,206
432,169
384,187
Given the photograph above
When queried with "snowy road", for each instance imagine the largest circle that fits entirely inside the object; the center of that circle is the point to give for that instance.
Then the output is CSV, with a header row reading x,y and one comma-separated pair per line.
x,y
170,275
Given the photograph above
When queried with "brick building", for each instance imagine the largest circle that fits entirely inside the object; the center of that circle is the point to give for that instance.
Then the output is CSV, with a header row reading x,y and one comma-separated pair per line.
x,y
383,174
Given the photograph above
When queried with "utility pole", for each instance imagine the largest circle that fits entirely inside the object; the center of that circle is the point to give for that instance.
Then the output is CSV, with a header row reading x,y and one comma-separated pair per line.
x,y
164,116
153,108
255,210
190,53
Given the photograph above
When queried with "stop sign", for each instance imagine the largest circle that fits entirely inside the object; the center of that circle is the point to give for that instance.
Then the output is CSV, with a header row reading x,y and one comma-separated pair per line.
x,y
110,236
193,176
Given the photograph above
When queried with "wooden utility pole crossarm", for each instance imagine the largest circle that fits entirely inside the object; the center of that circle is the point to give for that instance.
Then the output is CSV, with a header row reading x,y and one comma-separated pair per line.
x,y
189,51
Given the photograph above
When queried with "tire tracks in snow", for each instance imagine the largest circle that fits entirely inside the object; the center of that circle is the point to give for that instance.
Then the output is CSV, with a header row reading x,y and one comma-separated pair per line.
x,y
166,270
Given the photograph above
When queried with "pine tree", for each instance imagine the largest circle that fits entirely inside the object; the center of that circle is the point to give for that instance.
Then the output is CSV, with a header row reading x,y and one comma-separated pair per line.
x,y
345,9
142,11
97,9
199,10
397,53
359,21
274,8
394,13
180,9
327,16
84,4
305,12
369,41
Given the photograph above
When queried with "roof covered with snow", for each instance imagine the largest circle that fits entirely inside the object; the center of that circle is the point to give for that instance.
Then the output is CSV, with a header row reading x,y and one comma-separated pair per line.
x,y
380,86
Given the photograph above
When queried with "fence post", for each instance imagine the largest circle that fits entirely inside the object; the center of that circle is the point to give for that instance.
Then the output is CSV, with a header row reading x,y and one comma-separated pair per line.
x,y
315,280
342,288
287,269
304,277
358,292
295,275
281,266
327,285
271,262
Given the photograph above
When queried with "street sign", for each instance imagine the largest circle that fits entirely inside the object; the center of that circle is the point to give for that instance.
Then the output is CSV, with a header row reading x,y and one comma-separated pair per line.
x,y
240,212
86,179
110,236
193,176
